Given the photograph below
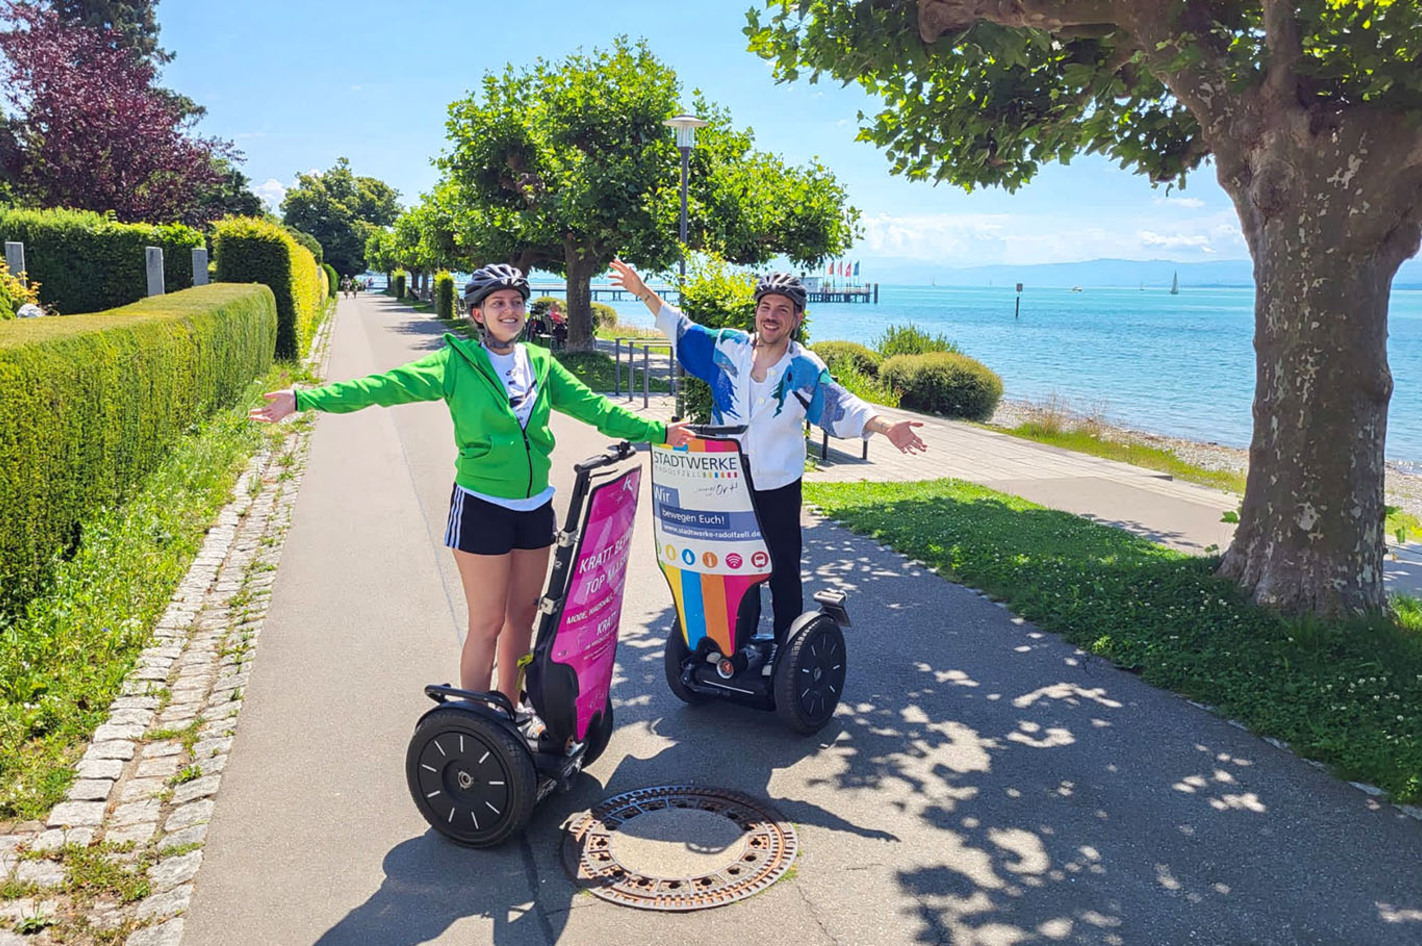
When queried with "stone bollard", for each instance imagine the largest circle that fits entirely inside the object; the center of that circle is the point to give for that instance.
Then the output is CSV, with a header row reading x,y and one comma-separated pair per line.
x,y
15,260
153,256
199,266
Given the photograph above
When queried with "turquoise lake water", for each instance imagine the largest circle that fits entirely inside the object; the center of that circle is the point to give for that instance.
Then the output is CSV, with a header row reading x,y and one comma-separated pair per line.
x,y
1179,365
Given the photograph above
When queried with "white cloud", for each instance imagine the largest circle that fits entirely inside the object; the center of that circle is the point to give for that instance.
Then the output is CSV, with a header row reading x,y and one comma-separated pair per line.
x,y
1179,241
981,239
1193,203
272,191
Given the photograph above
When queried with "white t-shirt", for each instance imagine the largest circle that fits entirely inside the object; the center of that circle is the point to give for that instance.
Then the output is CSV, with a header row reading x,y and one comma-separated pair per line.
x,y
515,373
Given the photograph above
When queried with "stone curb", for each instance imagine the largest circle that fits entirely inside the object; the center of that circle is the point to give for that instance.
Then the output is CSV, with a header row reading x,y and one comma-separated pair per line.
x,y
146,782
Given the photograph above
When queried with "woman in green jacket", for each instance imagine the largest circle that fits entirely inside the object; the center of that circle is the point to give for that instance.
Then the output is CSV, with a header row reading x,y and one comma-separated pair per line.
x,y
501,522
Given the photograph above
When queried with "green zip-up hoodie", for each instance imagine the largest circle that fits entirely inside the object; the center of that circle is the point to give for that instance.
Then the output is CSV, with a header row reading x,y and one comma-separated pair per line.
x,y
496,456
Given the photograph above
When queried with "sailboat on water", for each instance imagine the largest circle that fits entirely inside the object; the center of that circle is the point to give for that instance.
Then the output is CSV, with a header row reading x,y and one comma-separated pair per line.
x,y
1175,284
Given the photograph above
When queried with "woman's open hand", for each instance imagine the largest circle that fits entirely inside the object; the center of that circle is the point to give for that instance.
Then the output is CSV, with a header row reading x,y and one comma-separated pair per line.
x,y
679,434
279,405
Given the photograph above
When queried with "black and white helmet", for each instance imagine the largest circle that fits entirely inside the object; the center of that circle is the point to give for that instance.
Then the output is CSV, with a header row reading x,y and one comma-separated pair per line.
x,y
782,284
492,278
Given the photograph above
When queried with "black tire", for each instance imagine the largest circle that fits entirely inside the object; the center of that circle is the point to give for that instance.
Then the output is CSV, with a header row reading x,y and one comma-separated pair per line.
x,y
672,658
809,676
471,777
599,734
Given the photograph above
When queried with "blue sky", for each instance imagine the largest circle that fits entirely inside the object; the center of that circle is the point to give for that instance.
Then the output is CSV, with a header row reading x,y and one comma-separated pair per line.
x,y
299,83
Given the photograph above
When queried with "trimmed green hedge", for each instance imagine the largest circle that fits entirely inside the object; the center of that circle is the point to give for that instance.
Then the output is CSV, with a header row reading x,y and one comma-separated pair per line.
x,y
444,295
945,383
397,284
252,250
333,282
85,262
865,360
90,403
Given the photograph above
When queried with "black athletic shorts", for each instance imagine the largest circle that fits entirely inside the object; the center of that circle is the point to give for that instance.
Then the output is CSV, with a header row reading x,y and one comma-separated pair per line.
x,y
482,528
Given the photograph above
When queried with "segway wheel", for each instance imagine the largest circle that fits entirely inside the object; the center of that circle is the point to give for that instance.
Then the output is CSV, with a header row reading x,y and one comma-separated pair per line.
x,y
599,734
470,776
809,676
673,658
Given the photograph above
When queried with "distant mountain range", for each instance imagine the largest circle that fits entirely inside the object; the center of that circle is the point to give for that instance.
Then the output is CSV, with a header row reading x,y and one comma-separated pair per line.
x,y
1097,273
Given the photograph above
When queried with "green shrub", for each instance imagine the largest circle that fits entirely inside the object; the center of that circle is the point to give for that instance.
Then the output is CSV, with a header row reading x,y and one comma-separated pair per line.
x,y
89,404
604,315
945,383
13,293
836,353
333,282
444,295
397,283
911,340
867,387
85,262
252,250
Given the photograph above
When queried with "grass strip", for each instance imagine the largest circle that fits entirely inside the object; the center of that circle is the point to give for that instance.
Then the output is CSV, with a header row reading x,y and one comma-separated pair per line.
x,y
62,663
1348,693
1137,454
1400,525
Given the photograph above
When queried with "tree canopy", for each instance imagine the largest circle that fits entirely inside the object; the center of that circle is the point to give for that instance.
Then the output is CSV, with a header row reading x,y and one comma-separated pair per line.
x,y
1311,113
339,208
131,24
93,132
566,164
986,98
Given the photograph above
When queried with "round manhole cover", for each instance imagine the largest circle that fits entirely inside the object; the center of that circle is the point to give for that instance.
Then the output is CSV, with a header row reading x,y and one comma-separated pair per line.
x,y
678,847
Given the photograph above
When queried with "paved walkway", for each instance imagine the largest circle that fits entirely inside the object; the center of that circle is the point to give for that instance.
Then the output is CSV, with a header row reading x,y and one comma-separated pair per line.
x,y
983,783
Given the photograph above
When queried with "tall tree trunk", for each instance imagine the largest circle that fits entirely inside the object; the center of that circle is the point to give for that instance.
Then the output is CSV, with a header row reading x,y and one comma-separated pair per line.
x,y
580,319
1325,248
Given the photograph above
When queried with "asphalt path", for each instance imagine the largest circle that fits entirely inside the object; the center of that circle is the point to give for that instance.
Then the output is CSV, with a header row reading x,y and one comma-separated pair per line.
x,y
983,783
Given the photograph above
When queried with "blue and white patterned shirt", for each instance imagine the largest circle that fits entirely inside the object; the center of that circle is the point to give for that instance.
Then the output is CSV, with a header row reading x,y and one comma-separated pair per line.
x,y
797,388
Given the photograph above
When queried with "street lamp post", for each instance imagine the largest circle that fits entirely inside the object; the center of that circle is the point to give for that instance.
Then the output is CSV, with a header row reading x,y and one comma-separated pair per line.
x,y
685,126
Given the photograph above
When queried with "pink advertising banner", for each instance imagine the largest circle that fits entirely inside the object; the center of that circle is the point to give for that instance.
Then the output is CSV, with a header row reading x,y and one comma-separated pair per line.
x,y
587,629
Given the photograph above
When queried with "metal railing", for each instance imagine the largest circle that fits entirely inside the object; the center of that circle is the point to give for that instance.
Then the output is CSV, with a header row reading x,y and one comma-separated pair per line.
x,y
646,345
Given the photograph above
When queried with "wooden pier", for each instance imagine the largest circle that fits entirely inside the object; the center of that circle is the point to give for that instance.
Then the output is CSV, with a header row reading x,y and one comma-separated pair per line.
x,y
606,293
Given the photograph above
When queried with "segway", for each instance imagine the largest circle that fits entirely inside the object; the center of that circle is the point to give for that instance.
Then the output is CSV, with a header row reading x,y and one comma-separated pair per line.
x,y
475,766
711,549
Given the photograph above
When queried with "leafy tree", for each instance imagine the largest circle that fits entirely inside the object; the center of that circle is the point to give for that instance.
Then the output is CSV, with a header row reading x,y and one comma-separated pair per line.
x,y
1309,112
565,165
131,24
94,132
379,251
232,195
338,208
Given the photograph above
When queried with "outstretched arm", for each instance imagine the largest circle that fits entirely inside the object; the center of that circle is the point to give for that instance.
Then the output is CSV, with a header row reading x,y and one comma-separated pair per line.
x,y
421,380
694,344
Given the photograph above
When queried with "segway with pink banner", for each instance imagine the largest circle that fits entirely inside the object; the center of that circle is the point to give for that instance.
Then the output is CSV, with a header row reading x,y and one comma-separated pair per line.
x,y
711,550
475,767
